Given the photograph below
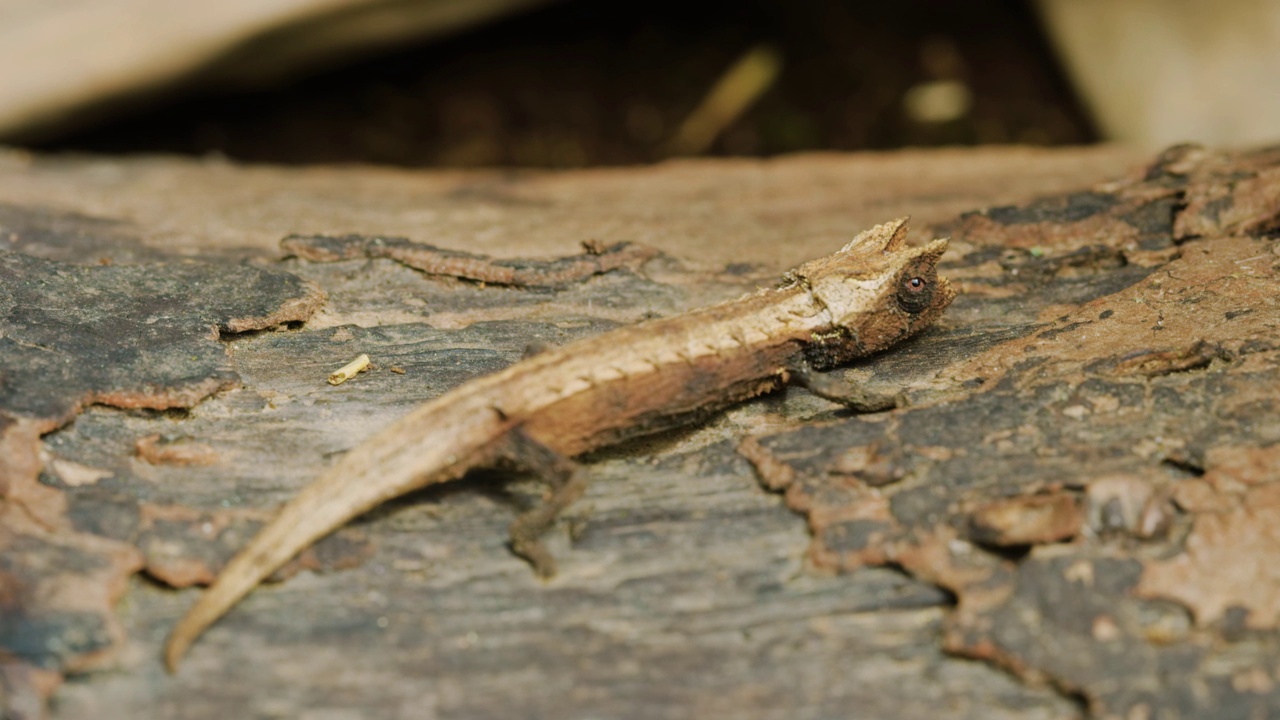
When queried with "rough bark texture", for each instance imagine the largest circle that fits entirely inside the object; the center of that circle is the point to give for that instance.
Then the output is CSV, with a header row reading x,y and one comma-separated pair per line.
x,y
1102,467
1073,517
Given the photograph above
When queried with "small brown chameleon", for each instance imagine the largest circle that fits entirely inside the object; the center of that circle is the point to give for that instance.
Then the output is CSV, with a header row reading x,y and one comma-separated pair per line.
x,y
631,381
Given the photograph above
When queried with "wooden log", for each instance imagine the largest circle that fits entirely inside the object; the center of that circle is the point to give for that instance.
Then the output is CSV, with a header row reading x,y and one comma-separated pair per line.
x,y
1110,360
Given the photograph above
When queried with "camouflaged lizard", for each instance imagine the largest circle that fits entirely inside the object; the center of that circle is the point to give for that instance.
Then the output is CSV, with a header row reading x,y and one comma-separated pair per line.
x,y
640,379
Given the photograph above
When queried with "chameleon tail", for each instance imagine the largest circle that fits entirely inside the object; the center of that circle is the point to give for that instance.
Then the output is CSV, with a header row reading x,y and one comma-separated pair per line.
x,y
391,464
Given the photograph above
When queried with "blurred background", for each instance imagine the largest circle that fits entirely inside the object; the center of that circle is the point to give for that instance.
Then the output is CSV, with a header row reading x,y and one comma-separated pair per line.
x,y
570,83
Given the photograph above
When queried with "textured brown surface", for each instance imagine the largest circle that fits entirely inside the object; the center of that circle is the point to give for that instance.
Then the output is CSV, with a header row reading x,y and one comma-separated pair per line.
x,y
130,337
775,213
1099,402
1104,463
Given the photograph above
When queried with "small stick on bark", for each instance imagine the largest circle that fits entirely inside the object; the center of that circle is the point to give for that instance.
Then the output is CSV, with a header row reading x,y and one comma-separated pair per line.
x,y
556,273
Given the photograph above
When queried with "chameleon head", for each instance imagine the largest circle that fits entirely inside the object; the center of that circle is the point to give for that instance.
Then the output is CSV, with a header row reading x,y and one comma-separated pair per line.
x,y
875,292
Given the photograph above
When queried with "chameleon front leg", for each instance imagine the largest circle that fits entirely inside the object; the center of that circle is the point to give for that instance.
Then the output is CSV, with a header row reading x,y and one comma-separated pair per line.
x,y
829,387
567,485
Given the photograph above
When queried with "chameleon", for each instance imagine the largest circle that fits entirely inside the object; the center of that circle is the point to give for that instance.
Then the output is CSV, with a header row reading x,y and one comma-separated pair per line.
x,y
638,379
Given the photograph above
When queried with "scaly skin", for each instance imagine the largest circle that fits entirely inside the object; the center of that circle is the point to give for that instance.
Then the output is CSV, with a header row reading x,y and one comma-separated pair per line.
x,y
639,379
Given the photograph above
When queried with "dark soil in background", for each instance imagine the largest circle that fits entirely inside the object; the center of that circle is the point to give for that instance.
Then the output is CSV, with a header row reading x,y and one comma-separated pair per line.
x,y
591,82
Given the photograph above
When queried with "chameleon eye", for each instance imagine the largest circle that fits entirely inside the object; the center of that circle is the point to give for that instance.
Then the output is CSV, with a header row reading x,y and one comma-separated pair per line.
x,y
916,286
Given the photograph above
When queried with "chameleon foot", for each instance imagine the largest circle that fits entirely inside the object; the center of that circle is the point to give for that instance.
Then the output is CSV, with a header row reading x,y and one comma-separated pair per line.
x,y
567,485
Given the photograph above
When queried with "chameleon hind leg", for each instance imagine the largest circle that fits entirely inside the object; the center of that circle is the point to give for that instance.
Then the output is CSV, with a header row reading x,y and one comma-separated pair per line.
x,y
566,484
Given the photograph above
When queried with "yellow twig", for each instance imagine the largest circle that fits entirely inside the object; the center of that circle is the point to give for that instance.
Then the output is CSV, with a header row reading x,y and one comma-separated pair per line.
x,y
350,370
740,86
